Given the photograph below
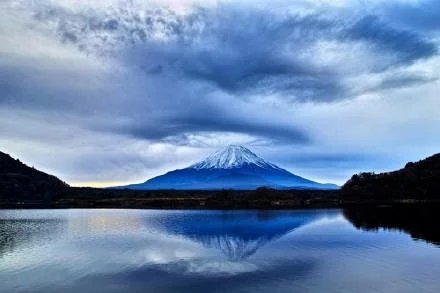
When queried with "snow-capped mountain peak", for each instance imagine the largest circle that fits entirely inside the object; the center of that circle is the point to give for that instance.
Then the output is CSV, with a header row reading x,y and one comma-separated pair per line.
x,y
232,156
234,167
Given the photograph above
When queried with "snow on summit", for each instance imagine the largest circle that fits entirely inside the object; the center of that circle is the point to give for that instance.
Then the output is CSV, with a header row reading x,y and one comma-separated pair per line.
x,y
232,156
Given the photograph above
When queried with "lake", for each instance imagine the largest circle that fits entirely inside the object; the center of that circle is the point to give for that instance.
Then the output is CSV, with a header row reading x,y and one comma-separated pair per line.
x,y
356,250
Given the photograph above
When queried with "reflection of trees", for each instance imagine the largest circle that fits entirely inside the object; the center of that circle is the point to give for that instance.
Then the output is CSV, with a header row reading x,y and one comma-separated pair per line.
x,y
418,220
238,235
21,233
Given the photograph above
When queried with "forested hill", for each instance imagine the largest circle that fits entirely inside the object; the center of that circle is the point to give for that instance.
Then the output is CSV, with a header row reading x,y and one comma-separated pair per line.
x,y
18,181
419,180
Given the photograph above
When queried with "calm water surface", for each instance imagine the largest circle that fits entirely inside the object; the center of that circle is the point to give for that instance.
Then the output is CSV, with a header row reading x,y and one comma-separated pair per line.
x,y
207,251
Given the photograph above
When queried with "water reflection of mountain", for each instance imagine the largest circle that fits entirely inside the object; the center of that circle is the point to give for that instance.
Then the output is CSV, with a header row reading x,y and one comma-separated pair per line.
x,y
237,234
418,220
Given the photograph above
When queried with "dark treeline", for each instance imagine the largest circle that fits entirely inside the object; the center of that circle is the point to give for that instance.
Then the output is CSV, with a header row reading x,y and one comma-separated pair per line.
x,y
227,199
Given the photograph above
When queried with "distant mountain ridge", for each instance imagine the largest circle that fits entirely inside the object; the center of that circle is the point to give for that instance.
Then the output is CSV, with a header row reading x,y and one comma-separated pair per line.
x,y
234,167
19,181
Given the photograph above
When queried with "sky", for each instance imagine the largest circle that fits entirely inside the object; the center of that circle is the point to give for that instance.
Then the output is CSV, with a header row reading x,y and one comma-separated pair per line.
x,y
103,93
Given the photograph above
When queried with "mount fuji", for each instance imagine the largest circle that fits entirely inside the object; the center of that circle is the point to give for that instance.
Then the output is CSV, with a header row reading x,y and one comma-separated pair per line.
x,y
234,167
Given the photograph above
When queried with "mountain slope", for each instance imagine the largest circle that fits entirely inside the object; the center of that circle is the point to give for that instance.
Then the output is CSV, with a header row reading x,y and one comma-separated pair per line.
x,y
419,180
234,167
18,181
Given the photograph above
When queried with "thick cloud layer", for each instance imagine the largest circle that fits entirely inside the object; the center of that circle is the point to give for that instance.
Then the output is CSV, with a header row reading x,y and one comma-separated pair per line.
x,y
118,92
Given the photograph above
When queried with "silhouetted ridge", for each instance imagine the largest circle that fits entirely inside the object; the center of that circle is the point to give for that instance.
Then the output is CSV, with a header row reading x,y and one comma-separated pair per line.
x,y
419,180
21,182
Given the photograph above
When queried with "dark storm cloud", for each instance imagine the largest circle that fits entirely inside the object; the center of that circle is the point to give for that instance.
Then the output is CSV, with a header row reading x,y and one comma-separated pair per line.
x,y
201,116
252,52
243,53
259,53
407,46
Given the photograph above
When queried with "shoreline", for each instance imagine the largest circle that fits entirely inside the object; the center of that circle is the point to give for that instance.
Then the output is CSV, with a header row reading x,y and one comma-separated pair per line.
x,y
259,199
209,203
